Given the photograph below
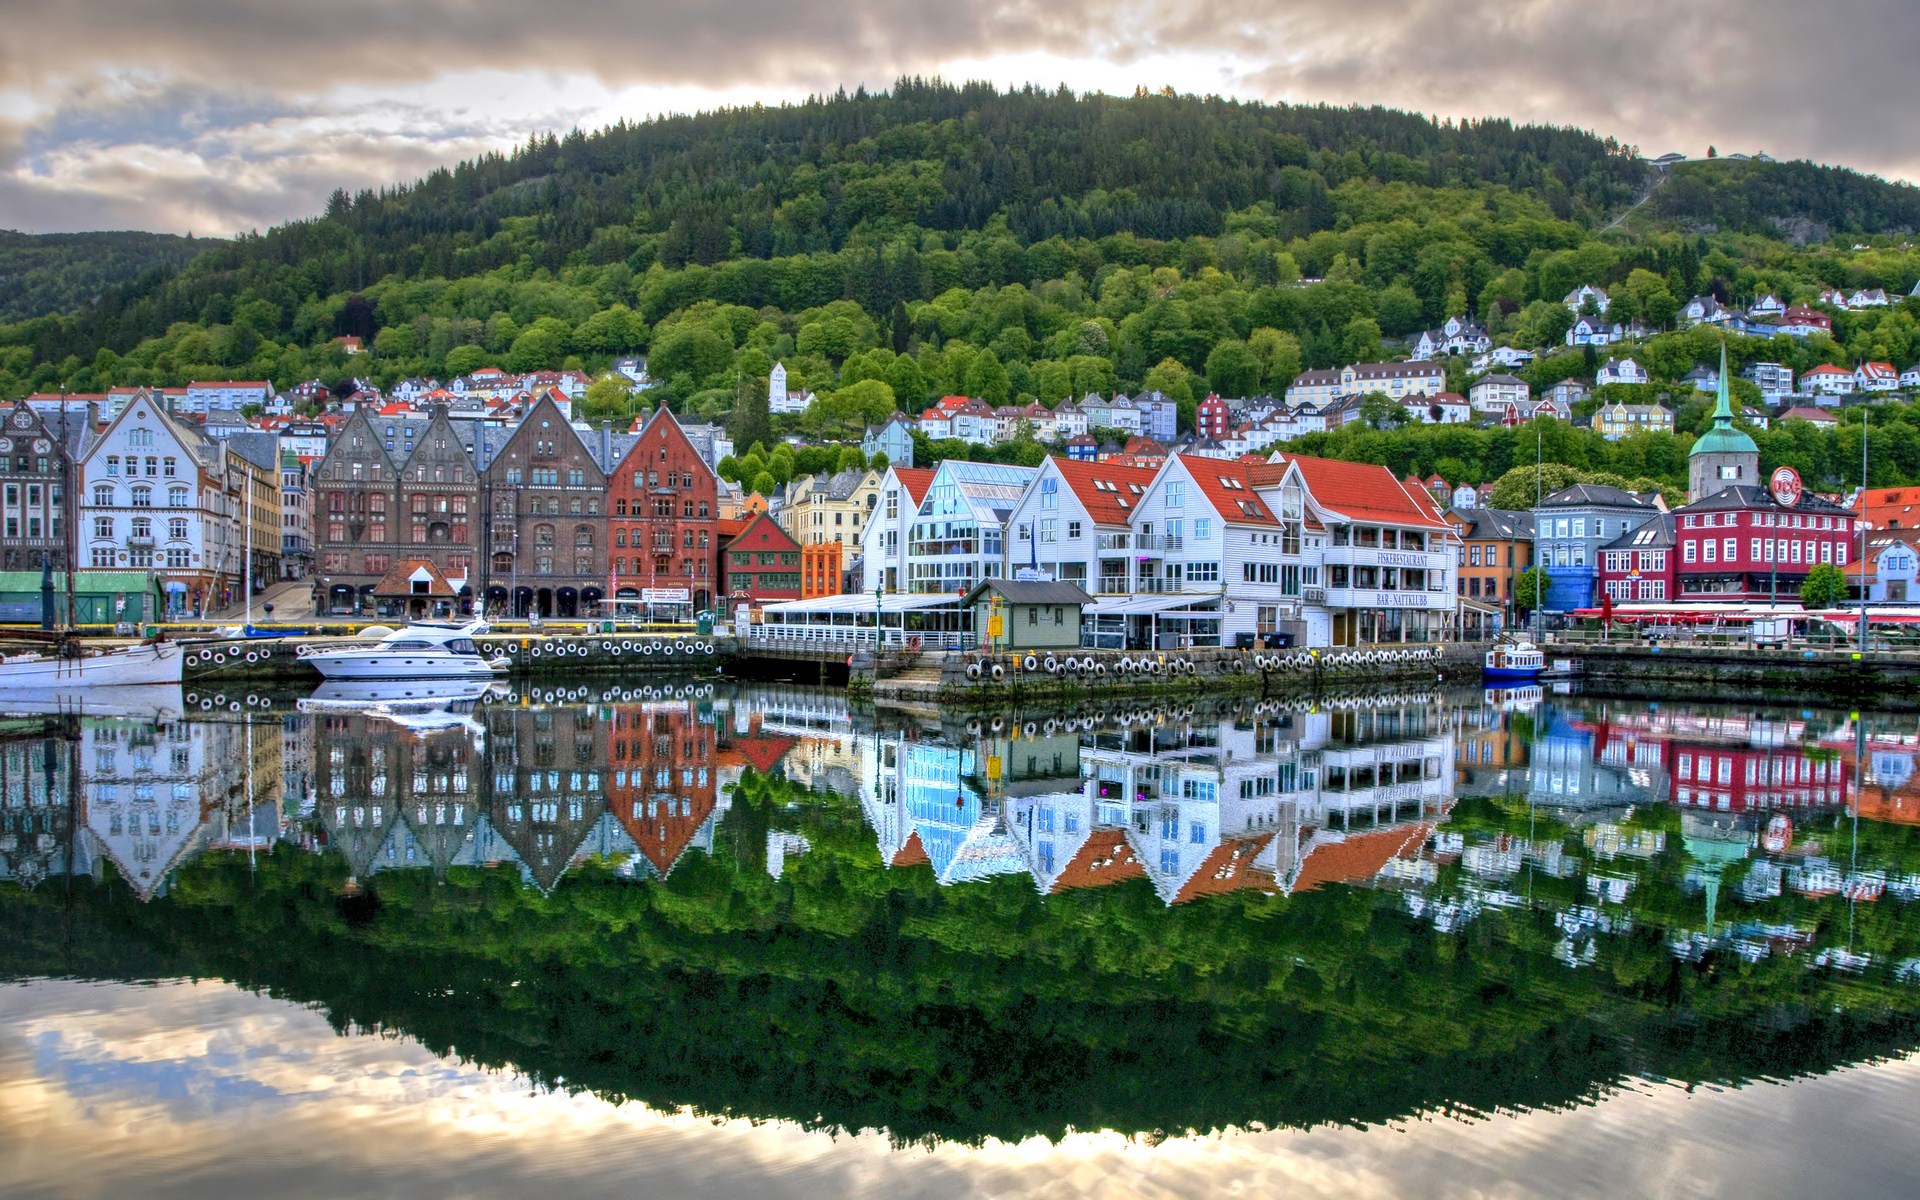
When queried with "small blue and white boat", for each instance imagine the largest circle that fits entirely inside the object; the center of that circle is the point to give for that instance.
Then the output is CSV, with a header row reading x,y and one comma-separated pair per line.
x,y
1519,660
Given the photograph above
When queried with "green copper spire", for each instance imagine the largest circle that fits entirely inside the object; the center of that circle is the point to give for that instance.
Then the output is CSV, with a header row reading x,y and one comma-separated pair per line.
x,y
1723,438
1723,411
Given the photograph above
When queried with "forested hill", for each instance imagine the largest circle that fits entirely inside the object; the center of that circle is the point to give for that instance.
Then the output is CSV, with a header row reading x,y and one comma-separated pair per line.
x,y
57,272
1011,243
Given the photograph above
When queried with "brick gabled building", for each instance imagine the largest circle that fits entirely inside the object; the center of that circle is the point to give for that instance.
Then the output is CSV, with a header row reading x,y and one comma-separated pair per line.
x,y
549,525
663,525
393,488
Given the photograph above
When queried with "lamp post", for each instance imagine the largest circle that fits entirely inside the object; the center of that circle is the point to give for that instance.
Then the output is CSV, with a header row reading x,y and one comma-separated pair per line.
x,y
1863,529
878,637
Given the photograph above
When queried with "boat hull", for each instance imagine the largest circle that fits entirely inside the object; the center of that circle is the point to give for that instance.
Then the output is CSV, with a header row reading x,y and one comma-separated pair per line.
x,y
375,665
1511,674
160,662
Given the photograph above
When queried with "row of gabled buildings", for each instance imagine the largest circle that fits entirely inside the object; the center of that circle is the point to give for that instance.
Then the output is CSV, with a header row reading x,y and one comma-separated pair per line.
x,y
1195,550
149,515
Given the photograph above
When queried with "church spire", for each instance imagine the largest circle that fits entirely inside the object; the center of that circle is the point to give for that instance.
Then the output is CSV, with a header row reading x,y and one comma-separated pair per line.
x,y
1723,409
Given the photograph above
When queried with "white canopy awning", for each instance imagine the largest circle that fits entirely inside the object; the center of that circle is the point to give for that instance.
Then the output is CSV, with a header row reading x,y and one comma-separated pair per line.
x,y
1141,606
856,603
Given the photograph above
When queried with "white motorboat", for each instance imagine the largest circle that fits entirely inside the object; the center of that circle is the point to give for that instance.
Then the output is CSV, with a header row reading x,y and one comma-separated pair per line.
x,y
127,666
425,650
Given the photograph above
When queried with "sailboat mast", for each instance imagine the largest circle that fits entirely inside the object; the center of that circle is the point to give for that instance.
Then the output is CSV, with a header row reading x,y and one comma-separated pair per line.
x,y
69,510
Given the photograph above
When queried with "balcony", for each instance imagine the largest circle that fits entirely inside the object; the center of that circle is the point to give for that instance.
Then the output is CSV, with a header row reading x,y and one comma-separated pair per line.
x,y
1113,541
1313,595
1371,556
1158,541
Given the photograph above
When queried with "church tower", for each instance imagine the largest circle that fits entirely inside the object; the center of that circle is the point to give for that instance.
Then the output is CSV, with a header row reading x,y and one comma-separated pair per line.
x,y
1723,456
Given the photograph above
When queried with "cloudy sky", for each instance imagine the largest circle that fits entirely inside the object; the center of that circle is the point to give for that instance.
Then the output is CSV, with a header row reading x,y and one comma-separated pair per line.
x,y
223,115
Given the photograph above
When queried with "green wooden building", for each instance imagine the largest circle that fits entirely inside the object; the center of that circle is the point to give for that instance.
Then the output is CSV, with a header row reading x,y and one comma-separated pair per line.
x,y
1032,615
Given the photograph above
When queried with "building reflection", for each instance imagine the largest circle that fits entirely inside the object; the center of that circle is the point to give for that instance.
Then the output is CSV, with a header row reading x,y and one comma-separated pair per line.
x,y
1720,826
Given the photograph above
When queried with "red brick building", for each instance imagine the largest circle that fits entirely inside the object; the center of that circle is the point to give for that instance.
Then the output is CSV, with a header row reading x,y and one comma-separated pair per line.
x,y
1732,546
760,564
663,528
665,779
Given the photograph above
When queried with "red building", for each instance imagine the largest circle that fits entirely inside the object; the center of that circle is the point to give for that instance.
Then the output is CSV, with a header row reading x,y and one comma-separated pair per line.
x,y
663,528
1213,419
665,779
760,564
1735,545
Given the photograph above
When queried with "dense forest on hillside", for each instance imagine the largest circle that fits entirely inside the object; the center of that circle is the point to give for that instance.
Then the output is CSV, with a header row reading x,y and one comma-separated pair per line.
x,y
58,272
892,248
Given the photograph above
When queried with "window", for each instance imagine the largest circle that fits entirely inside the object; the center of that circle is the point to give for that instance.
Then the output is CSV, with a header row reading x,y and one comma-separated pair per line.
x,y
143,497
1202,528
1710,551
103,495
177,497
1176,493
1732,551
1073,531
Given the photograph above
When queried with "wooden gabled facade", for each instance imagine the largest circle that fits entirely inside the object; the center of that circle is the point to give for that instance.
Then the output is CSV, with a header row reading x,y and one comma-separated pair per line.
x,y
549,525
664,523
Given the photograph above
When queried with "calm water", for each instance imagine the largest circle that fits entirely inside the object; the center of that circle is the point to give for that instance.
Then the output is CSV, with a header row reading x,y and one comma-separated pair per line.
x,y
732,940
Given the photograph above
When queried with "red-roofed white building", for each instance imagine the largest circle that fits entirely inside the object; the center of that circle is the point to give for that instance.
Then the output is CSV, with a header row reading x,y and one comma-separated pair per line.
x,y
1073,523
1829,380
1876,377
883,544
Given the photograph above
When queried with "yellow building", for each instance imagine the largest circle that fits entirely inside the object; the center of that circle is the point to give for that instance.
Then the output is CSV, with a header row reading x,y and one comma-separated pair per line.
x,y
824,509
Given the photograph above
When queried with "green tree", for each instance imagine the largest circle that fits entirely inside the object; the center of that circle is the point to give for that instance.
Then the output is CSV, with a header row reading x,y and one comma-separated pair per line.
x,y
1360,340
752,422
1825,587
763,484
1233,369
607,399
987,379
1530,590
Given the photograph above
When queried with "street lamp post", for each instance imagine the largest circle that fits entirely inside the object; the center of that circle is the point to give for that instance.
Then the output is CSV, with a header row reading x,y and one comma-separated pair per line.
x,y
1863,530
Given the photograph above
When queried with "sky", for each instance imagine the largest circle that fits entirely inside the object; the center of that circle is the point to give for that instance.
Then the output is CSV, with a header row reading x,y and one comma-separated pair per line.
x,y
203,1089
219,116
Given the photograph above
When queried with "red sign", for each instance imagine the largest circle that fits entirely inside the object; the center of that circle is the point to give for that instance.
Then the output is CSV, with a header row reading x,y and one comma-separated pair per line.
x,y
1786,487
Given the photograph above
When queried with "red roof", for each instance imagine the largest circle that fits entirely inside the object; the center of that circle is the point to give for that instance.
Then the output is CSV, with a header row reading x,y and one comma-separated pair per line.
x,y
913,854
1228,486
916,480
1228,868
1817,415
1366,492
398,581
1105,857
1109,492
1360,856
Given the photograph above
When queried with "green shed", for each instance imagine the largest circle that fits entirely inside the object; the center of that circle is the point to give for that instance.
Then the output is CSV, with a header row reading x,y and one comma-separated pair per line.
x,y
99,597
1031,615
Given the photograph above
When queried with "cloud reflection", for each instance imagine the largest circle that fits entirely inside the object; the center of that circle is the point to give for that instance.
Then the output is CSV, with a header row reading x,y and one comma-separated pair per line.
x,y
204,1089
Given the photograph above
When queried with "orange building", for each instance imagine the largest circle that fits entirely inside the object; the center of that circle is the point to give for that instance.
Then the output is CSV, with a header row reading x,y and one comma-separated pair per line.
x,y
1496,548
820,570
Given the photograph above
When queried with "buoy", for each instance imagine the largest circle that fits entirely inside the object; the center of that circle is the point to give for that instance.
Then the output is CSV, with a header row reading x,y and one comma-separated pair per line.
x,y
973,670
1029,663
999,671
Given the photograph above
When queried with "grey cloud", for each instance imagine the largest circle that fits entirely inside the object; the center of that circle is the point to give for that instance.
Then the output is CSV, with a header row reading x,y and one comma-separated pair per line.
x,y
222,80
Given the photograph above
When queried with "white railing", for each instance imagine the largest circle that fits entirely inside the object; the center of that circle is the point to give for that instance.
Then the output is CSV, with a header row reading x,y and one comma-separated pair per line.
x,y
850,637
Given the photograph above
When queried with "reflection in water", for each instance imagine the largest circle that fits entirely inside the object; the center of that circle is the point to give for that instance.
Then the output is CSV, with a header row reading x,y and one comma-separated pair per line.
x,y
756,901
